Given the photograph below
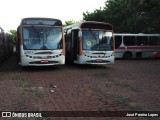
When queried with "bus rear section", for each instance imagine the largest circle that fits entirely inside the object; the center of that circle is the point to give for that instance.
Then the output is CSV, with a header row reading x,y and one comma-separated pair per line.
x,y
128,46
40,42
90,43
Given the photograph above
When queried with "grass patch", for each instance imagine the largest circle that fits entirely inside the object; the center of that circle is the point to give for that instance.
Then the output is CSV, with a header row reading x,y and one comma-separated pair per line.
x,y
27,92
22,104
37,94
22,81
121,100
126,86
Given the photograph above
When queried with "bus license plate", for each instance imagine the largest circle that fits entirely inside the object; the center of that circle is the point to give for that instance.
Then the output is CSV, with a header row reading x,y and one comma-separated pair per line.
x,y
44,61
99,60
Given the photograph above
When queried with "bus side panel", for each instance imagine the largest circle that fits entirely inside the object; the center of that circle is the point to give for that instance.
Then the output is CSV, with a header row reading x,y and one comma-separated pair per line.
x,y
1,49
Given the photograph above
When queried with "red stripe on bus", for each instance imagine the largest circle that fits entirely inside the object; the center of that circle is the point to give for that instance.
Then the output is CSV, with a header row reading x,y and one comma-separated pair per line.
x,y
139,47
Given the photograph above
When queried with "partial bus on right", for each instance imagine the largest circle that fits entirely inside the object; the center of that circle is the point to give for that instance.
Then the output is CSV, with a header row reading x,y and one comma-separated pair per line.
x,y
128,46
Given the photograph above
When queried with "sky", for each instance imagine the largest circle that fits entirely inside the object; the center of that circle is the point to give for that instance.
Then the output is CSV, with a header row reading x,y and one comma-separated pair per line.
x,y
12,11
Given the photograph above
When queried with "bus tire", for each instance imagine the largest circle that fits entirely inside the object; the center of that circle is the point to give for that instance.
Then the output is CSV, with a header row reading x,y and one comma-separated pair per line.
x,y
127,55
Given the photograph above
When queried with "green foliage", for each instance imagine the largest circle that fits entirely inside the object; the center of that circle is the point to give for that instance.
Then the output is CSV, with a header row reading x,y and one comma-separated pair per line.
x,y
14,34
134,16
97,15
69,22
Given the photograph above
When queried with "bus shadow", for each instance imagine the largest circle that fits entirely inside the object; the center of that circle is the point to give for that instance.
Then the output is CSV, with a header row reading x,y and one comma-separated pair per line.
x,y
42,68
137,59
9,65
90,66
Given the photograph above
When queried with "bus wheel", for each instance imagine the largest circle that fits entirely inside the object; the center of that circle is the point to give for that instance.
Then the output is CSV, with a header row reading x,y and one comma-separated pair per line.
x,y
127,55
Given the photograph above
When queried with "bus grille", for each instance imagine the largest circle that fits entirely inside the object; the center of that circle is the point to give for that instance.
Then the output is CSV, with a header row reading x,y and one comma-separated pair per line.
x,y
95,61
39,62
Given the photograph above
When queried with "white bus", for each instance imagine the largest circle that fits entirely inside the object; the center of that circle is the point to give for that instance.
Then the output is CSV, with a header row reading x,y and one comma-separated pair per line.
x,y
40,42
129,46
89,43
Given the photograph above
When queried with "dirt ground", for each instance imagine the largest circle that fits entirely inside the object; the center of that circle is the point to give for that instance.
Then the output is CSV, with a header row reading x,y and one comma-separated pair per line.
x,y
127,85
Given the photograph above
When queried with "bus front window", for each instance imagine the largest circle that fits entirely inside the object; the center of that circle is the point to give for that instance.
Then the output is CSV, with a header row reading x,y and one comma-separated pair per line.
x,y
97,40
36,38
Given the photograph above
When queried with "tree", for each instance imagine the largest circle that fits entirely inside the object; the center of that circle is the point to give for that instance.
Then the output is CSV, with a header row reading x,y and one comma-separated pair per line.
x,y
134,16
14,34
97,15
69,22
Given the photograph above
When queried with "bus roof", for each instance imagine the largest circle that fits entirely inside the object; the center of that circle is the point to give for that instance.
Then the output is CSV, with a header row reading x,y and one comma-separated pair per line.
x,y
132,34
91,25
41,21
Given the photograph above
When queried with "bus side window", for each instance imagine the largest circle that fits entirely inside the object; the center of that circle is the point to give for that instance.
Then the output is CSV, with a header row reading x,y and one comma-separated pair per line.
x,y
142,40
153,40
118,41
129,40
158,40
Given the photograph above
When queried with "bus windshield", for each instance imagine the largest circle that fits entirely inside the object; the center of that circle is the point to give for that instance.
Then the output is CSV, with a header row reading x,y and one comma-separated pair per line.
x,y
97,40
42,38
